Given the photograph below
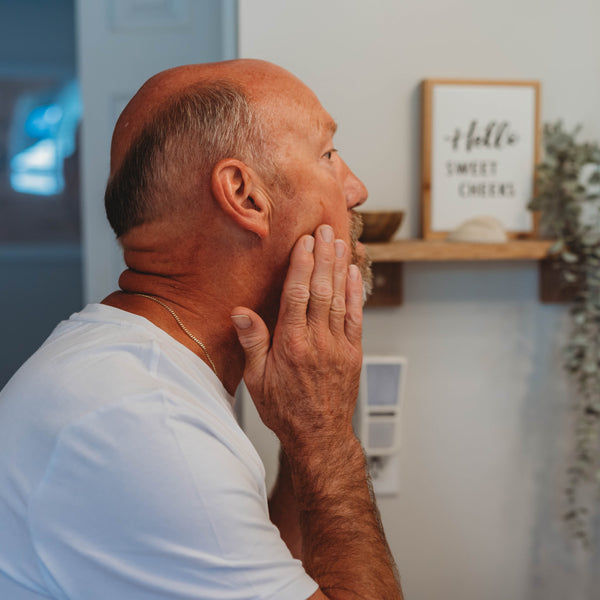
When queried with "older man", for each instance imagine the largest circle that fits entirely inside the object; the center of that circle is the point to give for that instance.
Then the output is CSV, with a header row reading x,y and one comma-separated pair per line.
x,y
123,473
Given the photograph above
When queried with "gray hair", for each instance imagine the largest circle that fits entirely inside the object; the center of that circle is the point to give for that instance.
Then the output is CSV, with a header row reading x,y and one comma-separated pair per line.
x,y
185,138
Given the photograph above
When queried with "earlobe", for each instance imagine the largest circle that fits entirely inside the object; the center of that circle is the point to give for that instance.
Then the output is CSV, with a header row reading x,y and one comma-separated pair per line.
x,y
234,187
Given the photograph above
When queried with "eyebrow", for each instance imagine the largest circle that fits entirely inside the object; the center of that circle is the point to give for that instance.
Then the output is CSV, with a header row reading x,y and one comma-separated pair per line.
x,y
326,127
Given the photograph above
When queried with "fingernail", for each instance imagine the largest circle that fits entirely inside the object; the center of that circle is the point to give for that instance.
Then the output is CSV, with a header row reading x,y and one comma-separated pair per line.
x,y
327,233
353,272
241,321
340,248
309,243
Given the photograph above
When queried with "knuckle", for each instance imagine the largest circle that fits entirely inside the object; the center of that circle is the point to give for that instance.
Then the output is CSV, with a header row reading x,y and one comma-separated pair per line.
x,y
294,348
320,295
338,304
321,288
251,342
319,298
325,259
297,292
354,320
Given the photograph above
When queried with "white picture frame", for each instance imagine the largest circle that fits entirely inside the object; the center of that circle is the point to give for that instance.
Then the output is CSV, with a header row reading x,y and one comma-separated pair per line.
x,y
480,147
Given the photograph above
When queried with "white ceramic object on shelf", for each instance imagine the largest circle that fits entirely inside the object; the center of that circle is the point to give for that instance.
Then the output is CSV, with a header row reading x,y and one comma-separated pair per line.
x,y
481,230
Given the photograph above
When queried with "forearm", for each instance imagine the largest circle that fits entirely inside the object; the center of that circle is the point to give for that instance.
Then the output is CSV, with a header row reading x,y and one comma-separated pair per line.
x,y
283,508
344,547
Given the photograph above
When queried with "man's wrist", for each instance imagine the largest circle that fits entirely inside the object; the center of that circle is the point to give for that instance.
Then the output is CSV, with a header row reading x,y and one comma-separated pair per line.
x,y
321,470
317,449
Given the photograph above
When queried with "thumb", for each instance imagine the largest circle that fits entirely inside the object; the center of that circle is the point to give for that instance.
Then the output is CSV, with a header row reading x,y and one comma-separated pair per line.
x,y
254,338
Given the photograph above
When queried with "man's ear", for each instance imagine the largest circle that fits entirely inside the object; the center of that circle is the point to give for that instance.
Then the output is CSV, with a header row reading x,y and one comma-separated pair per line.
x,y
236,189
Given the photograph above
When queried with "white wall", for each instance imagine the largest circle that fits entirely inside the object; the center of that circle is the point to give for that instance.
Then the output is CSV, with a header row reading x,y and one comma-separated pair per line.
x,y
120,45
486,425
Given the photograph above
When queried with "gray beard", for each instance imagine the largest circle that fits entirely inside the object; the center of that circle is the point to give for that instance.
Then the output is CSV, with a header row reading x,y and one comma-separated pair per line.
x,y
362,262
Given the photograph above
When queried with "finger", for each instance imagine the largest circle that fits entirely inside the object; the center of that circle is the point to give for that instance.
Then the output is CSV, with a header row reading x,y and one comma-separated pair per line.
x,y
321,283
296,288
254,338
354,303
337,311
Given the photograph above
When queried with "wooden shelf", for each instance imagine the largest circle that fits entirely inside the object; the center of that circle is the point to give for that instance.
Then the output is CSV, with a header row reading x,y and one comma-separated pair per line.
x,y
423,250
388,259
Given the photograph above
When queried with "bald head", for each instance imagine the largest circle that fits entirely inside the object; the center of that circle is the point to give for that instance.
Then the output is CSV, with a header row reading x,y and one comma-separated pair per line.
x,y
178,126
251,78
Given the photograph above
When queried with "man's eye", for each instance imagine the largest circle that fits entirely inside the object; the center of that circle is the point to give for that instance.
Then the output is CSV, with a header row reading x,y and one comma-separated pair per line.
x,y
328,155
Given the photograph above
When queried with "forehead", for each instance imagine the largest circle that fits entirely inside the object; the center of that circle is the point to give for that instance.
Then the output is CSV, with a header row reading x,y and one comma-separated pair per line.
x,y
295,109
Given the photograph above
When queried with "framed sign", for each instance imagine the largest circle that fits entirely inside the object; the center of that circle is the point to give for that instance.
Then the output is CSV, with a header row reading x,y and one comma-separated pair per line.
x,y
480,147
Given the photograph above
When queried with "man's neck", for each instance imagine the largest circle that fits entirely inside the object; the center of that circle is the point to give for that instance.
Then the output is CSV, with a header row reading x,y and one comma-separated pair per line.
x,y
204,317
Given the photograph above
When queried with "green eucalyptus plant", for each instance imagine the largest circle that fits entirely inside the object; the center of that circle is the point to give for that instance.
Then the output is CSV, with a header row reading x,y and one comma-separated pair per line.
x,y
568,202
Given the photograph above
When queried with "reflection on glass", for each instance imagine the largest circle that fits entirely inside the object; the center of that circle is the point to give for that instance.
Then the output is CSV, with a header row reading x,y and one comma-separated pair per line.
x,y
39,167
43,134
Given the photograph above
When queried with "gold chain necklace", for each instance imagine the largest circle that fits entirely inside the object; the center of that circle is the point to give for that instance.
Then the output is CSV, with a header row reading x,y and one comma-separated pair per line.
x,y
183,327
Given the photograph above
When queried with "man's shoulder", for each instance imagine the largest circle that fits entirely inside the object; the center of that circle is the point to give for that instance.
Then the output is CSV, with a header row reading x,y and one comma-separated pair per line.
x,y
85,357
103,356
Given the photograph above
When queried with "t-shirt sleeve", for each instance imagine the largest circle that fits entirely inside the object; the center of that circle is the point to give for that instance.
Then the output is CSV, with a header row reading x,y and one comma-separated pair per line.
x,y
143,501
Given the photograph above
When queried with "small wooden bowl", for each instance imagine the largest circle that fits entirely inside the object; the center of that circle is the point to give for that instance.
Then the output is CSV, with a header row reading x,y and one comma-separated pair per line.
x,y
380,226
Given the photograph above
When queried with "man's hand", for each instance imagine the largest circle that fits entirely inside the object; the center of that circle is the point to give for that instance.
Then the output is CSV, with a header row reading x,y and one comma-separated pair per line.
x,y
305,383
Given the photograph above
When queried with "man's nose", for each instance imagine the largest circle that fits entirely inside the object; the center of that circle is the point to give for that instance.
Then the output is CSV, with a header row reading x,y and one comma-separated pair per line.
x,y
355,190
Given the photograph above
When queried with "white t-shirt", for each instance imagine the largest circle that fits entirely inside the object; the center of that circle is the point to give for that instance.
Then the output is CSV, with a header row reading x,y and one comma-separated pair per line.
x,y
124,474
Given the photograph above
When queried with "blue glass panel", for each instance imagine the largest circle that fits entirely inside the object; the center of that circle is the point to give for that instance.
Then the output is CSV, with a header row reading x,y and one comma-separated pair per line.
x,y
43,134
